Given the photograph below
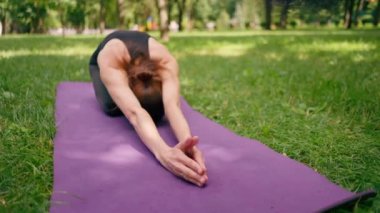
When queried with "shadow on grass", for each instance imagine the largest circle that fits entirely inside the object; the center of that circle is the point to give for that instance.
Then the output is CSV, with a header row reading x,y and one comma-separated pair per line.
x,y
46,42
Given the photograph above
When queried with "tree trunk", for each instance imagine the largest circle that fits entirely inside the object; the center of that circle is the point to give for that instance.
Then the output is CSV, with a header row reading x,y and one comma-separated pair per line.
x,y
3,25
349,11
376,14
170,6
163,14
189,16
121,13
359,8
181,8
284,14
61,12
268,14
102,17
345,12
41,26
3,20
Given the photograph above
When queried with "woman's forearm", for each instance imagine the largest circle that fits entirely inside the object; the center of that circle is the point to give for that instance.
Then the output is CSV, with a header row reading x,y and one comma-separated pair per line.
x,y
148,133
178,123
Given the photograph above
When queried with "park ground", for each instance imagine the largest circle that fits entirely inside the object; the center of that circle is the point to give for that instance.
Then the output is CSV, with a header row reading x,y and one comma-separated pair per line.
x,y
311,95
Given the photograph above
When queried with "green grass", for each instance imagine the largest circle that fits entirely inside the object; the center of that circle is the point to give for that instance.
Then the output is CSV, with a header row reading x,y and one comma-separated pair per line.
x,y
312,95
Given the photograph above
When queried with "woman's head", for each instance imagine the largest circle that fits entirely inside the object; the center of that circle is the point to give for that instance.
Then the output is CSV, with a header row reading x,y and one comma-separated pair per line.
x,y
146,85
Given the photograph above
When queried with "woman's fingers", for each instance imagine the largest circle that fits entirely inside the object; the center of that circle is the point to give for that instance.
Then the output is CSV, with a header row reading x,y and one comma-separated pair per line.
x,y
190,175
187,162
198,157
192,164
196,160
188,144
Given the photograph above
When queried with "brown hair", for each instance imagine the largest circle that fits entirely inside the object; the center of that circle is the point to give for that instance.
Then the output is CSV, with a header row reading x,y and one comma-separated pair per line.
x,y
145,83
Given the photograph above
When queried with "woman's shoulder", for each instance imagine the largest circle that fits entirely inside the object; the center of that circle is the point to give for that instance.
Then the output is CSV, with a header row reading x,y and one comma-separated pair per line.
x,y
114,52
157,51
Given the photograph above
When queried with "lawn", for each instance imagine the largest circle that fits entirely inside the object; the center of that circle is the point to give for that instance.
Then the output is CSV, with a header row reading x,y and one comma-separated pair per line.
x,y
311,95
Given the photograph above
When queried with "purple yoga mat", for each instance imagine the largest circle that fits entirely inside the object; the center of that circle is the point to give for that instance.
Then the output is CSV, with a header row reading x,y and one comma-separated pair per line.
x,y
100,165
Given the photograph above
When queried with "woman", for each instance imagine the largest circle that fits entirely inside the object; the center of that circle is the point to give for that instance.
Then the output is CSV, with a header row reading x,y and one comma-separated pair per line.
x,y
136,76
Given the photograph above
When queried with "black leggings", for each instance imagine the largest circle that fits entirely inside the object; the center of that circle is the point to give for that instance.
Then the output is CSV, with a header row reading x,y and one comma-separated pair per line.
x,y
102,95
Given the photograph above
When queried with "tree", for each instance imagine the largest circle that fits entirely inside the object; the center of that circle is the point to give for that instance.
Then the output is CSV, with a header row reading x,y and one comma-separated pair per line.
x,y
359,8
62,6
284,13
203,11
121,13
102,16
320,12
190,14
223,21
40,14
252,9
268,14
25,16
239,16
376,15
170,10
181,6
77,14
3,17
349,9
163,17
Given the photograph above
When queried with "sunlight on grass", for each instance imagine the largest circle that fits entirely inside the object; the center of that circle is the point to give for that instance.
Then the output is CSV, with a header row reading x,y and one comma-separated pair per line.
x,y
302,56
227,50
258,33
343,46
67,51
358,58
185,81
273,56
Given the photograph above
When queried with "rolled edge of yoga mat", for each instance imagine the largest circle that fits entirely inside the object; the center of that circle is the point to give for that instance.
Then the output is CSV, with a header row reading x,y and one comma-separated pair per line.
x,y
360,196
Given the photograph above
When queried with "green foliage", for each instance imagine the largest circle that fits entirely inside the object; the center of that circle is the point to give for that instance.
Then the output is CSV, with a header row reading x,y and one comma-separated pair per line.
x,y
76,14
111,14
322,11
62,11
223,21
3,9
27,15
141,10
215,8
201,11
36,16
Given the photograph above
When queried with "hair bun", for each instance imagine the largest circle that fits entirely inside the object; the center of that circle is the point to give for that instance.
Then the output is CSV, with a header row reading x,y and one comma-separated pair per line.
x,y
144,76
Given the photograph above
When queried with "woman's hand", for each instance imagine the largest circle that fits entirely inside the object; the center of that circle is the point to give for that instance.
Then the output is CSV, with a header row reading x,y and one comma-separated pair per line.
x,y
194,153
186,161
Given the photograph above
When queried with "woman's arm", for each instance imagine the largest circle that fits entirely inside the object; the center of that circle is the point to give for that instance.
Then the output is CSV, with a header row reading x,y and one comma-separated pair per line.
x,y
116,82
169,73
171,98
178,122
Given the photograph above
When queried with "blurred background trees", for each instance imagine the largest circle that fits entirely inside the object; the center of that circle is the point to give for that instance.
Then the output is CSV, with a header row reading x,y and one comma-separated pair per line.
x,y
84,16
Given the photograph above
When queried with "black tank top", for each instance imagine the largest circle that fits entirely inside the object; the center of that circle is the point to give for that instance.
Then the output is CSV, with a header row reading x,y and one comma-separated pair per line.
x,y
136,43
